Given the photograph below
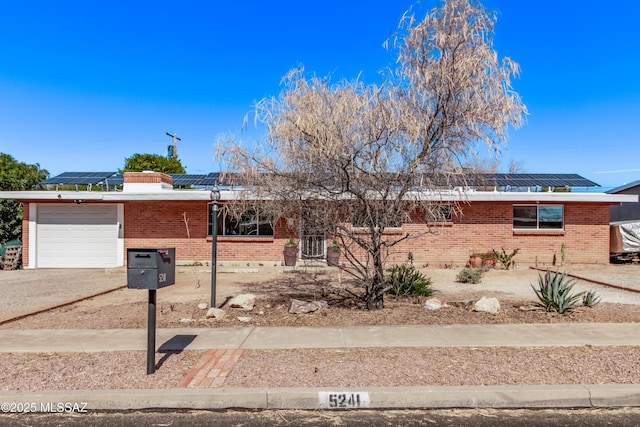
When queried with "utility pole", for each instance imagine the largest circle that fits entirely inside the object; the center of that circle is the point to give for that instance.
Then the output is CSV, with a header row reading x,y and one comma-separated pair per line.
x,y
175,144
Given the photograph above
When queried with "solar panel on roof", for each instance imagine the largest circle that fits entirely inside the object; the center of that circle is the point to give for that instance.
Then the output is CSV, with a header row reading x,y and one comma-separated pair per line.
x,y
538,180
117,179
80,178
519,180
188,179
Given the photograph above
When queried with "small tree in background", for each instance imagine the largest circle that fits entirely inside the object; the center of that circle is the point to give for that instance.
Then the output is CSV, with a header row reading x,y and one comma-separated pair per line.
x,y
15,176
152,162
347,158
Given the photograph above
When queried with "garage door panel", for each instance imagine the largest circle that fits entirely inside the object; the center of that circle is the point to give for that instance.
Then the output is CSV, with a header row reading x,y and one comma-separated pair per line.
x,y
70,236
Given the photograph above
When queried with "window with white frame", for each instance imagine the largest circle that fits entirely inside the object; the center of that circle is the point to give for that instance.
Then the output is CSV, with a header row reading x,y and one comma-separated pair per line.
x,y
538,217
439,213
249,224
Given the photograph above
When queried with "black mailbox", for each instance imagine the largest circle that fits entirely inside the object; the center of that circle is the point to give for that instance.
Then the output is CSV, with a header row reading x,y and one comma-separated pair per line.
x,y
151,268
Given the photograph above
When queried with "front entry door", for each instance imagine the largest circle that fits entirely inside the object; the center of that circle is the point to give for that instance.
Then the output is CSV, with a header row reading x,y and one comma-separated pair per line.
x,y
312,245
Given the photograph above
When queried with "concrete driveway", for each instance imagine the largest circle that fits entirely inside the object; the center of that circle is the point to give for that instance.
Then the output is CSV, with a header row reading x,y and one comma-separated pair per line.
x,y
26,291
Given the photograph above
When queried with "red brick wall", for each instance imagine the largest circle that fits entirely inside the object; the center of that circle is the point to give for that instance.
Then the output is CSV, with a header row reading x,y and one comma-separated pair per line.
x,y
162,224
483,226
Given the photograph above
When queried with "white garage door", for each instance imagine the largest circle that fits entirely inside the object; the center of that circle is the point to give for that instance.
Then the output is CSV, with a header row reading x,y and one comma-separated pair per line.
x,y
77,236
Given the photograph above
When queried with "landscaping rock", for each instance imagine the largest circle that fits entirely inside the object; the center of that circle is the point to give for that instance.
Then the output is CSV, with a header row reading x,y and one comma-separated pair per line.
x,y
434,304
244,319
487,305
300,307
243,301
216,313
203,306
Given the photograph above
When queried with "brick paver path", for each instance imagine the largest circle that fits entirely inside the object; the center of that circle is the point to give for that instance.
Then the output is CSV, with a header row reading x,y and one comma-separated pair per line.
x,y
212,368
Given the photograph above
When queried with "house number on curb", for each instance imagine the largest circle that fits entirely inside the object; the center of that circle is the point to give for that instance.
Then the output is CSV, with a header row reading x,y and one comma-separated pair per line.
x,y
343,400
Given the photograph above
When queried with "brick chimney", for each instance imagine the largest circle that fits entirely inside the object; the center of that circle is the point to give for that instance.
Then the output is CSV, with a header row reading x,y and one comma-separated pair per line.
x,y
146,182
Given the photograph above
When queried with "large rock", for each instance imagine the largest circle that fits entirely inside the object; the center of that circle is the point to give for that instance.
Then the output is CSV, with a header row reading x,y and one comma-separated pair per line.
x,y
244,301
434,304
487,305
300,307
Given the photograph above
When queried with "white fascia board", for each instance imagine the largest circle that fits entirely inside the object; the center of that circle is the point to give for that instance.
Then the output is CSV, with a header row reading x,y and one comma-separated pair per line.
x,y
178,195
51,195
443,196
524,196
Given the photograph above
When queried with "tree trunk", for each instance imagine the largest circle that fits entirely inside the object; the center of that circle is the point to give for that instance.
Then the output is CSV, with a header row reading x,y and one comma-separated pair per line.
x,y
375,297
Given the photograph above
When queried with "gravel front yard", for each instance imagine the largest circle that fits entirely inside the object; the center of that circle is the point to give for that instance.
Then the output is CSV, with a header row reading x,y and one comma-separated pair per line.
x,y
339,368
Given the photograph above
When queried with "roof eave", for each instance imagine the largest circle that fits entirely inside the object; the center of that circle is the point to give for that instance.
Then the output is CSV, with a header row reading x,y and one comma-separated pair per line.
x,y
195,195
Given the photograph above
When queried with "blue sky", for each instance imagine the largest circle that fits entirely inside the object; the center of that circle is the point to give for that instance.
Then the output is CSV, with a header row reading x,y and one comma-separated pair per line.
x,y
84,84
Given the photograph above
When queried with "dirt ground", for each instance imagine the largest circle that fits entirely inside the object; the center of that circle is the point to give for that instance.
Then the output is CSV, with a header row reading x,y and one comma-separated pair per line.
x,y
275,287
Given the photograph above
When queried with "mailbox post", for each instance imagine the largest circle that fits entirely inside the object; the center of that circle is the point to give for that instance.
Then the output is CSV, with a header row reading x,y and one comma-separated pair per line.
x,y
151,269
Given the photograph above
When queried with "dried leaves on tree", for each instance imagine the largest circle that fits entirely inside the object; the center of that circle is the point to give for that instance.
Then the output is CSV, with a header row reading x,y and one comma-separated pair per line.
x,y
352,159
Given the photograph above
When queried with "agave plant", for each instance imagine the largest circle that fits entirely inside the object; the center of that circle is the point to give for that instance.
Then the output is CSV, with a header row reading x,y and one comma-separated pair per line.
x,y
554,292
590,299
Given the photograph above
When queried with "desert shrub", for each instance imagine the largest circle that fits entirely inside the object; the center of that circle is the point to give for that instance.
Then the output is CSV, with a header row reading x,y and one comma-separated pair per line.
x,y
405,280
554,292
590,299
470,275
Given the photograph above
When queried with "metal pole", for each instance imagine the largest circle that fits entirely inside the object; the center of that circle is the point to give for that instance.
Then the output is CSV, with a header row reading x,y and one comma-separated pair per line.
x,y
151,333
214,255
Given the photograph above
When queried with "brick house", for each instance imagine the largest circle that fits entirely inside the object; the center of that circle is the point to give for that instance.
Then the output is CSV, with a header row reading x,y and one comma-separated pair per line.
x,y
88,229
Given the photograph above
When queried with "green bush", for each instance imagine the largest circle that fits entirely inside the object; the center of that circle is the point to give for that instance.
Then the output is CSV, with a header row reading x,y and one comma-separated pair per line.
x,y
405,280
554,292
470,275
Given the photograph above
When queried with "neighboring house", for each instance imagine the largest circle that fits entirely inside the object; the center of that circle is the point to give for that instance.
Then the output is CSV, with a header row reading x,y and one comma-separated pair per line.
x,y
88,229
625,224
629,211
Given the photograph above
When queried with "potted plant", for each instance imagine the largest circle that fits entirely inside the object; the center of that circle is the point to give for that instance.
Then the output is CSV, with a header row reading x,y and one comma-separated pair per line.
x,y
475,260
333,253
290,252
489,259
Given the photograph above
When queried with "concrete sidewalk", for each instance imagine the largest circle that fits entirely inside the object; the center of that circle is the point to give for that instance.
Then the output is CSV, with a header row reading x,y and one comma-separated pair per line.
x,y
514,335
255,337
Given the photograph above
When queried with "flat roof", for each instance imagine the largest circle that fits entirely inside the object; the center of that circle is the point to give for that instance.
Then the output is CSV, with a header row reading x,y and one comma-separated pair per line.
x,y
230,194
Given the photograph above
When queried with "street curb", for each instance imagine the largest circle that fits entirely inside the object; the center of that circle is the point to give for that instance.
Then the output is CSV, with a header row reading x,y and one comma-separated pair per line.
x,y
517,396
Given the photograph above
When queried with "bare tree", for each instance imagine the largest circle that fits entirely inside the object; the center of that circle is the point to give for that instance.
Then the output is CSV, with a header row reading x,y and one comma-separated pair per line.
x,y
348,158
516,166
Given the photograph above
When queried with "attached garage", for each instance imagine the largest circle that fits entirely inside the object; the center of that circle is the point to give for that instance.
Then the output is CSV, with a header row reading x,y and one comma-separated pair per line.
x,y
82,235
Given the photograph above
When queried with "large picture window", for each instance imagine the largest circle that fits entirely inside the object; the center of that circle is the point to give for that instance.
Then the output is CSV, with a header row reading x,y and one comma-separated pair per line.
x,y
249,224
538,217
